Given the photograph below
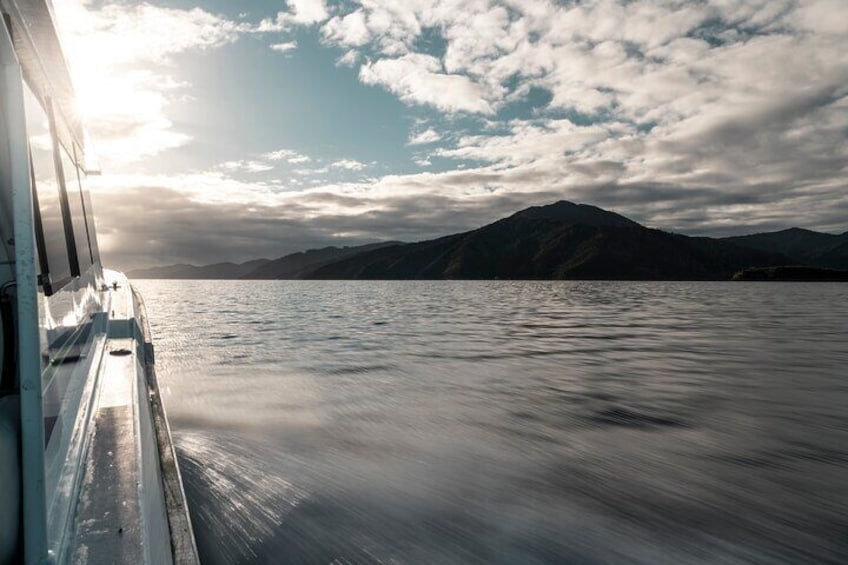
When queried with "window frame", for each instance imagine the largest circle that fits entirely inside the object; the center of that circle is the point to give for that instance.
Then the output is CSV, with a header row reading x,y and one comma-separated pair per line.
x,y
76,205
64,204
46,280
87,208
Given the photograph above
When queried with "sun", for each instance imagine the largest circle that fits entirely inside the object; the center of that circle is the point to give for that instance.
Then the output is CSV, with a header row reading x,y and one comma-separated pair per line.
x,y
122,94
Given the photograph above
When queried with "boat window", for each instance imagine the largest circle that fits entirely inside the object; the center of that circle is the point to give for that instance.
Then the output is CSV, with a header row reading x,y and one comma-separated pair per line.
x,y
77,208
91,230
89,221
50,238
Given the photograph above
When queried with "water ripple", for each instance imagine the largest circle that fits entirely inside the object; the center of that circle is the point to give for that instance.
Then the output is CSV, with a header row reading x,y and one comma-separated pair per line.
x,y
509,422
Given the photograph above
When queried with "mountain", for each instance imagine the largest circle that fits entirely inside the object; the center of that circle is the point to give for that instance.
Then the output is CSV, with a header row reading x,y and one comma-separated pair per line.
x,y
559,241
293,266
792,274
803,247
835,257
298,265
571,213
183,271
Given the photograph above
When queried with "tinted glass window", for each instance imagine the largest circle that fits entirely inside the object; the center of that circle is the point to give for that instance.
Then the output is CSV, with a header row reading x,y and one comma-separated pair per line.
x,y
89,223
75,203
53,250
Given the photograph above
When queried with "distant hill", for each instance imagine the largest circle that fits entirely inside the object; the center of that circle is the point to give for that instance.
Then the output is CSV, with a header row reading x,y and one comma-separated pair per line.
x,y
293,266
182,271
801,246
836,257
792,274
559,241
299,265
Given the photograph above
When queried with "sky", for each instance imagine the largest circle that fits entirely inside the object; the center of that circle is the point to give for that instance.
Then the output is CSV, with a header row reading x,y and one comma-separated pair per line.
x,y
228,131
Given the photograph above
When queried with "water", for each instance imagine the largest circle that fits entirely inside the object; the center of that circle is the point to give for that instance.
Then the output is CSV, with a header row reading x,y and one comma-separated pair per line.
x,y
508,422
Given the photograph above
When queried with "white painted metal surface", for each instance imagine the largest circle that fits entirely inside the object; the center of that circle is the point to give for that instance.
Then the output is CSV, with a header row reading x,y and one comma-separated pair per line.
x,y
32,423
123,515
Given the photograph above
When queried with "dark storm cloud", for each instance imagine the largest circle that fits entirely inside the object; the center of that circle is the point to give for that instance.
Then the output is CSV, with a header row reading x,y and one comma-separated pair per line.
x,y
157,226
153,226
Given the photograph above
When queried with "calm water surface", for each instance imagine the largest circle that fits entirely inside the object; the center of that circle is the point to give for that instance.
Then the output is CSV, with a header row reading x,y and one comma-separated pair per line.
x,y
508,422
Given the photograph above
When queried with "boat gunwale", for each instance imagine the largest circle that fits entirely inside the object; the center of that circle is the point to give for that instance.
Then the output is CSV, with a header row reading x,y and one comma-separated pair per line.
x,y
183,544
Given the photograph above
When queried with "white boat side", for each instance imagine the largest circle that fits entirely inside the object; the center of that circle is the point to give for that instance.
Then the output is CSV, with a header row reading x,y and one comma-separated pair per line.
x,y
88,470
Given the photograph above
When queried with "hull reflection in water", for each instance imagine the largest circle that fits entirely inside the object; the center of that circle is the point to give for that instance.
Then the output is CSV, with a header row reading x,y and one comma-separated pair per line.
x,y
345,422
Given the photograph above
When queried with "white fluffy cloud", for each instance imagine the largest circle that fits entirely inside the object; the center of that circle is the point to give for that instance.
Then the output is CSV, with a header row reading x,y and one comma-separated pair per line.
x,y
288,155
420,78
299,13
247,166
350,30
284,47
424,137
349,164
308,11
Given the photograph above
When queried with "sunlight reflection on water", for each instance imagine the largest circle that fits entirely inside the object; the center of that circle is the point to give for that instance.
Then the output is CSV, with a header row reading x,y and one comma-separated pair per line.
x,y
508,422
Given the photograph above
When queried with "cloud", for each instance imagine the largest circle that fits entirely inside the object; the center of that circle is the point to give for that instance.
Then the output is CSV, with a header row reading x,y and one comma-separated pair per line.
x,y
688,116
304,172
146,32
287,155
300,13
122,59
270,161
728,98
209,217
822,17
248,166
182,229
543,141
284,47
349,59
424,137
308,11
420,79
350,30
349,164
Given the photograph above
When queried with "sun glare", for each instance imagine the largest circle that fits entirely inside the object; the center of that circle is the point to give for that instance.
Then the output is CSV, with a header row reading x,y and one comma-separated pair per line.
x,y
121,97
